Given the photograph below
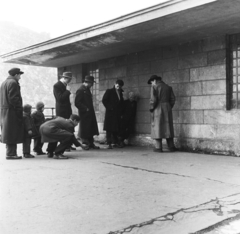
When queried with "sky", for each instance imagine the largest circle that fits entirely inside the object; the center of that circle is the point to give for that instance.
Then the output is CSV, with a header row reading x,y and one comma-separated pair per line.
x,y
58,17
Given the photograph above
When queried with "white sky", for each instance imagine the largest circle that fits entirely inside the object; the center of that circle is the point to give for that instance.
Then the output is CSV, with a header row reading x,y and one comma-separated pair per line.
x,y
59,17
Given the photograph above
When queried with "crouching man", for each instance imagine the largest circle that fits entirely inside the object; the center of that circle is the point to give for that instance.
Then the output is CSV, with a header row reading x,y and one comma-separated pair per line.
x,y
60,130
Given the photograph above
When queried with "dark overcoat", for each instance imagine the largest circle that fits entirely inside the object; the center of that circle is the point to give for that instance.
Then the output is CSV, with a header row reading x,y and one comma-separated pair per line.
x,y
162,101
88,121
29,126
11,111
114,110
128,119
63,105
57,129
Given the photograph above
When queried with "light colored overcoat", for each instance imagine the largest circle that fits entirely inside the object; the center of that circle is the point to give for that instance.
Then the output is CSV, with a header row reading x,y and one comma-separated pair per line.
x,y
162,101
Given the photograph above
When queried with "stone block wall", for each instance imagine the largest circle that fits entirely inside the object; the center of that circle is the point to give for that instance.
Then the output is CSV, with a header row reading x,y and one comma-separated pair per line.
x,y
197,72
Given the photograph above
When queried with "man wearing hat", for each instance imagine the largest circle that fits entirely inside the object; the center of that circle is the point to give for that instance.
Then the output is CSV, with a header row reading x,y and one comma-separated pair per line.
x,y
88,122
63,105
62,94
162,100
11,113
114,104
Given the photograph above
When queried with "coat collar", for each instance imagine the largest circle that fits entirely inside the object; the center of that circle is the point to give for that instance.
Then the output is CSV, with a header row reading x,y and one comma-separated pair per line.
x,y
160,82
84,88
61,83
121,90
13,78
70,121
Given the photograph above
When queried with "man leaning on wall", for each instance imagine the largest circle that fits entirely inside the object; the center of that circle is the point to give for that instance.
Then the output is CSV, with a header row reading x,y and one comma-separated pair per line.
x,y
162,100
114,104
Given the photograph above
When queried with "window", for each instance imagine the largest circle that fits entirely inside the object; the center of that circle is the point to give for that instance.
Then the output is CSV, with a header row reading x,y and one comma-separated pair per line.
x,y
92,70
233,75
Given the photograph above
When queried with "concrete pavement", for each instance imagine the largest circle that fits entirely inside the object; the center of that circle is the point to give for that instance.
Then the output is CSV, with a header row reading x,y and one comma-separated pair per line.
x,y
130,190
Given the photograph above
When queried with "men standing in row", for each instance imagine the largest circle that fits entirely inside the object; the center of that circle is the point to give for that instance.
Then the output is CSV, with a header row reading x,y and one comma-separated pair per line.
x,y
162,100
11,113
114,104
84,103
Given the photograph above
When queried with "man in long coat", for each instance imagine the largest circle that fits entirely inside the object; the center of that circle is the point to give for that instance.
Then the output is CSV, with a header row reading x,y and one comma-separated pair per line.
x,y
162,101
114,104
60,130
88,122
62,94
11,113
63,105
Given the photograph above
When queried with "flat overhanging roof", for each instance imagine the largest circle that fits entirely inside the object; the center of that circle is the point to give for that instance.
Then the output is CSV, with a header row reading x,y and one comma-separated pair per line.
x,y
175,21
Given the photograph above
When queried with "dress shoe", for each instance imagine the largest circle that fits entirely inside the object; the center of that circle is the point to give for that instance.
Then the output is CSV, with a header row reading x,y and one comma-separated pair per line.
x,y
109,146
59,156
158,150
13,157
40,153
85,147
121,145
28,156
93,147
68,149
50,155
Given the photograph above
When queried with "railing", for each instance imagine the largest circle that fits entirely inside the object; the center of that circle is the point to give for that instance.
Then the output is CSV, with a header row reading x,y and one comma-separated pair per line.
x,y
49,112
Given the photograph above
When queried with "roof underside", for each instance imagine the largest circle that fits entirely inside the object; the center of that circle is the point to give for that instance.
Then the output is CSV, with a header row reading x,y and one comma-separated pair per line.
x,y
174,22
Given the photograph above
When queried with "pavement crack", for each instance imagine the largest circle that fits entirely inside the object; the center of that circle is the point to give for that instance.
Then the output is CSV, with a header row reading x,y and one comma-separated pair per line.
x,y
168,173
214,205
167,217
142,169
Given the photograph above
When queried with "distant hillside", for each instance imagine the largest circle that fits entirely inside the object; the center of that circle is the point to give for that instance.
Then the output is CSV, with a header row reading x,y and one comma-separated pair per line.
x,y
36,82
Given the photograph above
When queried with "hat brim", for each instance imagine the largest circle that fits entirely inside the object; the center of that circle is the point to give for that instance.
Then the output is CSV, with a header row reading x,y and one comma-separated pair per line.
x,y
88,81
21,72
150,80
68,77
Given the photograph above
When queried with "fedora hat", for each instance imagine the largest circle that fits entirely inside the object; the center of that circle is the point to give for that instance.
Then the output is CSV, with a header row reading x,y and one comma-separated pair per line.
x,y
89,79
119,82
67,75
154,77
14,71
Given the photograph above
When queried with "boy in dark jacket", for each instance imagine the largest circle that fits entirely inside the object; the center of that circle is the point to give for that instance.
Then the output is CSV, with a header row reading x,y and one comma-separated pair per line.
x,y
38,119
128,119
29,131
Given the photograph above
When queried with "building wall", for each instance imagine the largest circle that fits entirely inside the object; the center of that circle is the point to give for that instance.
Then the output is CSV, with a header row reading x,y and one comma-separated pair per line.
x,y
197,72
